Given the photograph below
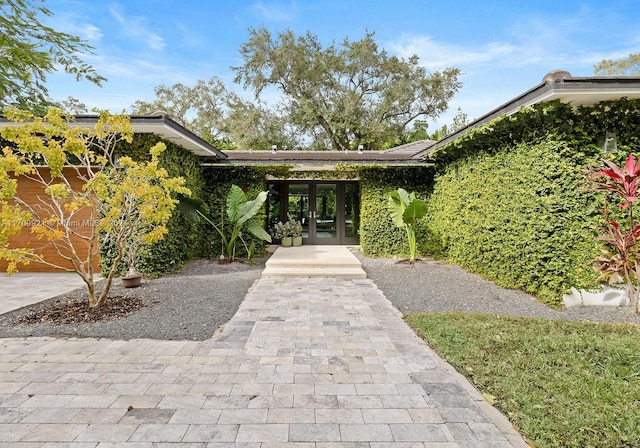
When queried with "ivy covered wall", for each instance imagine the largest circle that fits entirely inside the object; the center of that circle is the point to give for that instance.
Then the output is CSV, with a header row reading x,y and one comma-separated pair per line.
x,y
509,199
185,239
379,237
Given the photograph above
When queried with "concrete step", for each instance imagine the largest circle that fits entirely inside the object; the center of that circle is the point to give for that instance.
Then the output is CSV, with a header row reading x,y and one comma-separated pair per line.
x,y
313,261
315,272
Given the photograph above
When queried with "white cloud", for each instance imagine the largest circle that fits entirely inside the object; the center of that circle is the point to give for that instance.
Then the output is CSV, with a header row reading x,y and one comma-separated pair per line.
x,y
90,32
275,12
135,27
438,55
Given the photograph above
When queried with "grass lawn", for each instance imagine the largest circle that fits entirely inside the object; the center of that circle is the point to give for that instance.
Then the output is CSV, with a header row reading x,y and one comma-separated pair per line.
x,y
561,383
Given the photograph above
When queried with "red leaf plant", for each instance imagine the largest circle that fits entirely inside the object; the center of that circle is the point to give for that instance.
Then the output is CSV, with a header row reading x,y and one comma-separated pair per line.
x,y
622,258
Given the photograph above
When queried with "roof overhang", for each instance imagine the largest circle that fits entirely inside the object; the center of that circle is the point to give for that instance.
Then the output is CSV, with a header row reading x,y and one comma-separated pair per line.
x,y
560,86
404,155
160,124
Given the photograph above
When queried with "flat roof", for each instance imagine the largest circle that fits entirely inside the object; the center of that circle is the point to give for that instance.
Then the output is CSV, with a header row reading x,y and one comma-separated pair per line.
x,y
404,155
160,124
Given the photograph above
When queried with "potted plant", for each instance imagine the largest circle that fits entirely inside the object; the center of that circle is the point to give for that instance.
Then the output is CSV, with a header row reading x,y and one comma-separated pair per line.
x,y
289,233
295,227
282,232
133,278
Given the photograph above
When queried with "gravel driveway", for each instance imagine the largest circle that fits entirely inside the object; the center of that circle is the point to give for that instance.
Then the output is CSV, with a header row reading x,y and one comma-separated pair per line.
x,y
195,302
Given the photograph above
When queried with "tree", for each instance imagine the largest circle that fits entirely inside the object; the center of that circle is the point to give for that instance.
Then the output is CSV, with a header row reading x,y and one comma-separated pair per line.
x,y
29,50
200,108
346,95
221,117
78,182
405,211
252,125
625,66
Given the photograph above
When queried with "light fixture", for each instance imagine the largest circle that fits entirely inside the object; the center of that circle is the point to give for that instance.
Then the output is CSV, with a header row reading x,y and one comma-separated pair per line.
x,y
360,148
274,149
608,143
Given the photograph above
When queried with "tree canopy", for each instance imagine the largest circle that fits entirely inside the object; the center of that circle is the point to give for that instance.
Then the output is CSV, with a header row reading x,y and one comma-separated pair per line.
x,y
347,95
624,66
199,108
220,116
29,50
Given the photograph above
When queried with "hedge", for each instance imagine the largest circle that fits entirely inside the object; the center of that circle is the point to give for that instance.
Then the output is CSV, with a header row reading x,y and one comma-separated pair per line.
x,y
509,199
379,237
185,240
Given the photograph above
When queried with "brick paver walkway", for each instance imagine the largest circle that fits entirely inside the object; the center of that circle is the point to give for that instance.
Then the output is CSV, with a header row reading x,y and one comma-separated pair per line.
x,y
323,363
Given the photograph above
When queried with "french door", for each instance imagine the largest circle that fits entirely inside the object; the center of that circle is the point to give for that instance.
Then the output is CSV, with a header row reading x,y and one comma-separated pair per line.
x,y
328,211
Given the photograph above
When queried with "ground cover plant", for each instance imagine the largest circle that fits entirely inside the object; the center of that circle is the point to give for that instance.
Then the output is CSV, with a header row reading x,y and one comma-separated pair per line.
x,y
563,384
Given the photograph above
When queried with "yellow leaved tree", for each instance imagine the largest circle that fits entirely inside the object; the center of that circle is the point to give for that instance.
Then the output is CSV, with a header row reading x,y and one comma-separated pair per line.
x,y
77,181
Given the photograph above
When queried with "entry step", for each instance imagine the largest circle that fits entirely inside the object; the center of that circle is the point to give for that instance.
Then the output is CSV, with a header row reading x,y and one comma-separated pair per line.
x,y
313,261
314,272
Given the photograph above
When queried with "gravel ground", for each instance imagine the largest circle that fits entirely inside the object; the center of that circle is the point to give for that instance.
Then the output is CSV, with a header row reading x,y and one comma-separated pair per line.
x,y
191,304
434,286
195,302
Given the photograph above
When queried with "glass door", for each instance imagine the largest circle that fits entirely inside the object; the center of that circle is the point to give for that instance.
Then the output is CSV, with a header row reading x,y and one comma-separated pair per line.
x,y
329,211
298,206
324,214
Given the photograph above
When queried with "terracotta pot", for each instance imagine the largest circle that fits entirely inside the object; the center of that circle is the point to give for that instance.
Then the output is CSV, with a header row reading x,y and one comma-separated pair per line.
x,y
131,280
297,241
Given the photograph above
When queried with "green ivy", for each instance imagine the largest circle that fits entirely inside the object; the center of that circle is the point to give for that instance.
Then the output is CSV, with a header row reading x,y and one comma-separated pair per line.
x,y
509,199
185,240
378,235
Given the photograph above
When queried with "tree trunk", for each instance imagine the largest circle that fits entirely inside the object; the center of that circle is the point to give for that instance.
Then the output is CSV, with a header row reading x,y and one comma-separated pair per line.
x,y
112,272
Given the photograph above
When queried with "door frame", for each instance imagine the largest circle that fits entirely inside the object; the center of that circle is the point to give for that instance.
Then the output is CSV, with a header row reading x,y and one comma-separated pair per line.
x,y
282,187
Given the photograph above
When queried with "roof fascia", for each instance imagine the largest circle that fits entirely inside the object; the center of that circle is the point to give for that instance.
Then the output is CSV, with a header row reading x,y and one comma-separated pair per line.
x,y
159,124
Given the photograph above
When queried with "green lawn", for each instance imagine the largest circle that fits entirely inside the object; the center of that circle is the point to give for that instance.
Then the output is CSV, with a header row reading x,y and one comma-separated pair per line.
x,y
561,383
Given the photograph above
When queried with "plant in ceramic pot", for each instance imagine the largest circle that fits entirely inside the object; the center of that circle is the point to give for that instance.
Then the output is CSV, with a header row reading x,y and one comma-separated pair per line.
x,y
283,233
133,278
295,227
289,233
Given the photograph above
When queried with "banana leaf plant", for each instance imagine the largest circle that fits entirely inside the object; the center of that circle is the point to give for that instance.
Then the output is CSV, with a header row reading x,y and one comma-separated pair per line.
x,y
240,214
405,211
621,258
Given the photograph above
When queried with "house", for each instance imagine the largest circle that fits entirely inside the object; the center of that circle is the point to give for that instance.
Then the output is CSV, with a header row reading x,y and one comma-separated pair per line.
x,y
158,125
504,192
509,199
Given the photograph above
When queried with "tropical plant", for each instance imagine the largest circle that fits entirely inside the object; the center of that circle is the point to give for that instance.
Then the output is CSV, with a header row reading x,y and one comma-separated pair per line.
x,y
240,214
292,227
621,259
405,211
77,182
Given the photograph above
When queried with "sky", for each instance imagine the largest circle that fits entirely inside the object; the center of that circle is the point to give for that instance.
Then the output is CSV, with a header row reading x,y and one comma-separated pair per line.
x,y
502,47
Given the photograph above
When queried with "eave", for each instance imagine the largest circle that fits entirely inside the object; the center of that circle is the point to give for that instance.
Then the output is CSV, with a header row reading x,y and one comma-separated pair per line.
x,y
558,86
160,124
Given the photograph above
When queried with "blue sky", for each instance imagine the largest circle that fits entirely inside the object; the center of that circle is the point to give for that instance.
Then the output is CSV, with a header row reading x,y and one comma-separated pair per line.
x,y
503,47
